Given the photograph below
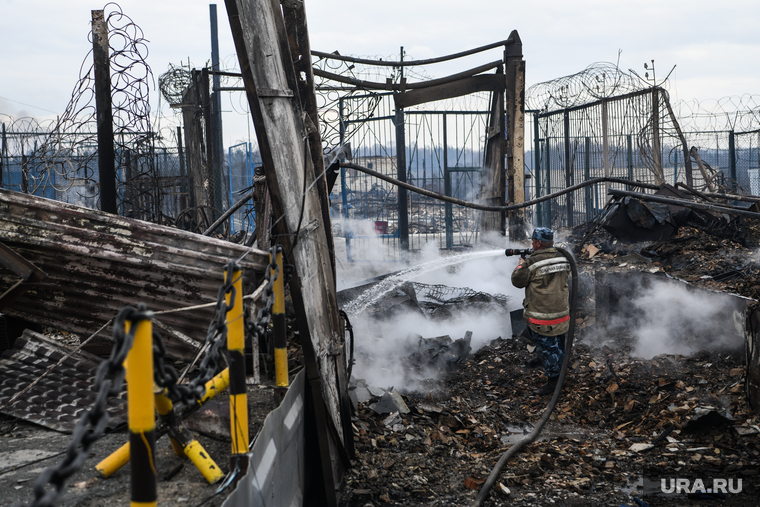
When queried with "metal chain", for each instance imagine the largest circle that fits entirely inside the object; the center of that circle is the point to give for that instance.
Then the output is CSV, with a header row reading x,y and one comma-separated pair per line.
x,y
110,375
216,342
264,316
108,382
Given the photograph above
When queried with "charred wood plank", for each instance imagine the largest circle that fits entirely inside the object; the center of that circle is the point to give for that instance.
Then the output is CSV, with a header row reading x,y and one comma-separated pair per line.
x,y
97,263
262,48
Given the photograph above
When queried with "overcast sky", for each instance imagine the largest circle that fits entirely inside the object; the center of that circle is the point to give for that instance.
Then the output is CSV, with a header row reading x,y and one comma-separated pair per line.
x,y
713,44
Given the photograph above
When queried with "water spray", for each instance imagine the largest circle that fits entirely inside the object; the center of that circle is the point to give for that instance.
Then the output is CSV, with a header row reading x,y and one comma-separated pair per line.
x,y
555,398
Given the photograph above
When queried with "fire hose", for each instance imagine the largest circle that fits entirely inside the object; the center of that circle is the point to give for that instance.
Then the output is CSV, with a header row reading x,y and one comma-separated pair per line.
x,y
483,494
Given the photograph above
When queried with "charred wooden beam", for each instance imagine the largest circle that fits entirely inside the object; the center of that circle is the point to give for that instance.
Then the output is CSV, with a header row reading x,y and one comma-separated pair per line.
x,y
300,49
465,86
273,95
515,108
102,69
493,185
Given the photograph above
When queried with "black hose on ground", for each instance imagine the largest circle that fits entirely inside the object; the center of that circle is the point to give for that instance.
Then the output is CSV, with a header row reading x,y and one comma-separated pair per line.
x,y
555,398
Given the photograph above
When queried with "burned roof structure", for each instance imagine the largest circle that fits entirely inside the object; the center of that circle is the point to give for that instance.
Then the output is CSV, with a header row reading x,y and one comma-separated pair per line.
x,y
89,264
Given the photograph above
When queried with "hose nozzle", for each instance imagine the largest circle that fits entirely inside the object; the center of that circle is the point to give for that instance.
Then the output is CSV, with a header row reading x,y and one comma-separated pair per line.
x,y
515,251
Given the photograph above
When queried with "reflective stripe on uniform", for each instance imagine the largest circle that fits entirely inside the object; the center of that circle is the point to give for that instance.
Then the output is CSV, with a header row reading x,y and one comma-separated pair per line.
x,y
548,322
549,262
546,316
557,268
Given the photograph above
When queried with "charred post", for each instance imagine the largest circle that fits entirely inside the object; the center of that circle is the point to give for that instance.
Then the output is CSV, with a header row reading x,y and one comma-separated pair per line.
x,y
106,157
515,136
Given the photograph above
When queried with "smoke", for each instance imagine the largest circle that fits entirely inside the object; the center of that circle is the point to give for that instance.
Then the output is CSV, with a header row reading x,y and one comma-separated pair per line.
x,y
383,346
671,318
360,251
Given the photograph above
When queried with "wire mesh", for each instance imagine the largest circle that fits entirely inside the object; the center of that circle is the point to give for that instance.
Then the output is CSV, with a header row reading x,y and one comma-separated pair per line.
x,y
444,143
59,159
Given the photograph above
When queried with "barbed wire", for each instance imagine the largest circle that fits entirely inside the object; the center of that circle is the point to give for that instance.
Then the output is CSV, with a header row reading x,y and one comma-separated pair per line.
x,y
599,80
58,158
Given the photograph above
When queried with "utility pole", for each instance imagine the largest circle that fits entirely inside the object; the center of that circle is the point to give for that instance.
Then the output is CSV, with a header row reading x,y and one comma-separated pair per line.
x,y
403,210
106,158
216,111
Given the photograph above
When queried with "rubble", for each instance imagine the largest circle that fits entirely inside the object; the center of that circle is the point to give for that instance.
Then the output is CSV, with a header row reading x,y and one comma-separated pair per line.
x,y
621,418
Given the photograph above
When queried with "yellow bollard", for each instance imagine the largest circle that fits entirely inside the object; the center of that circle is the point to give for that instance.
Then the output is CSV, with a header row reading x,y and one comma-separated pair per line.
x,y
202,461
280,333
120,457
142,418
216,385
115,461
164,407
236,347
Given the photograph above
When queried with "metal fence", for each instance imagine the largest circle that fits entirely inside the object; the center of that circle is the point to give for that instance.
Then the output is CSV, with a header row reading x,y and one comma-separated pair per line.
x,y
602,122
38,159
242,163
444,154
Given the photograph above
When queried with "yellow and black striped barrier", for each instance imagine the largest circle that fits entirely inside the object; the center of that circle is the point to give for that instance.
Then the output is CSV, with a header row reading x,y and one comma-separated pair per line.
x,y
280,333
236,348
142,418
184,443
120,457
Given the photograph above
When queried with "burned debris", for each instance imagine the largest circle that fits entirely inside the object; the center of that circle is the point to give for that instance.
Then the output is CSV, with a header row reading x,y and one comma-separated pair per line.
x,y
419,415
624,420
634,217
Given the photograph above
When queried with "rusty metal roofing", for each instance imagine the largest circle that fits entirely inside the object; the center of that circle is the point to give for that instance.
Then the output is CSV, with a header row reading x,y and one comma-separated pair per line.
x,y
97,263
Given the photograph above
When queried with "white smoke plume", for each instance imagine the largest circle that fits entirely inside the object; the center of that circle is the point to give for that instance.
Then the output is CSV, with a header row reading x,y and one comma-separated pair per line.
x,y
382,345
670,318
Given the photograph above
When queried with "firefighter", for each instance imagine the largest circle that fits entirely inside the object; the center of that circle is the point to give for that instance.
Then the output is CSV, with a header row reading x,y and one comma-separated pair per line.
x,y
544,274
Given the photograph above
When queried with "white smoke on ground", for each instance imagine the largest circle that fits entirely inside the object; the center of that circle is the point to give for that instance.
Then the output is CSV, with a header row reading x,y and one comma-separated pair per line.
x,y
365,255
383,346
671,319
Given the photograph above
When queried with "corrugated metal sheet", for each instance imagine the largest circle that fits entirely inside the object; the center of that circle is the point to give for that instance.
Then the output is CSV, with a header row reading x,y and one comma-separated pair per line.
x,y
60,399
97,263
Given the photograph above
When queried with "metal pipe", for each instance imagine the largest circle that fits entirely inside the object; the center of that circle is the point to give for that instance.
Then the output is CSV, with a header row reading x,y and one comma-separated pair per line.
x,y
227,214
732,197
370,85
483,207
390,63
568,170
216,111
448,210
